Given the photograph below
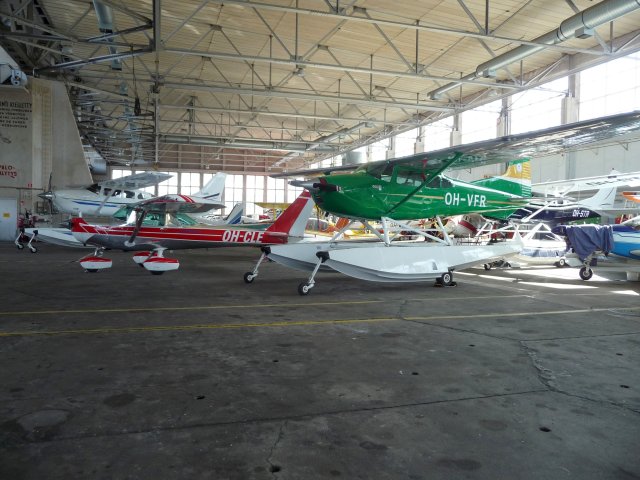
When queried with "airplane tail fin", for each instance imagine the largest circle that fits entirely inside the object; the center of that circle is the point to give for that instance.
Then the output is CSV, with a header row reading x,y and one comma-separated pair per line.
x,y
75,224
294,219
235,216
516,180
602,200
214,187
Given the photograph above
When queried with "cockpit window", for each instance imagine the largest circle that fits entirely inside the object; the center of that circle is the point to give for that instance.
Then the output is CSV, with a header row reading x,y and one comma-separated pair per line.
x,y
380,171
95,188
409,177
440,182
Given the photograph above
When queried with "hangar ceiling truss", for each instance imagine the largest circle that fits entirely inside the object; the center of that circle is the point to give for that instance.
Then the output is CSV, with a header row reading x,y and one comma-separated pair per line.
x,y
243,85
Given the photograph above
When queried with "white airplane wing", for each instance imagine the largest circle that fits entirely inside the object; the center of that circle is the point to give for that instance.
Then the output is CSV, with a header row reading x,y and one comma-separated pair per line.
x,y
178,204
136,181
561,187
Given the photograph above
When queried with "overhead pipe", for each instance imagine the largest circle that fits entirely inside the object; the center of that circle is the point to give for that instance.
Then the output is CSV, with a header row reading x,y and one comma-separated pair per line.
x,y
580,25
105,24
244,143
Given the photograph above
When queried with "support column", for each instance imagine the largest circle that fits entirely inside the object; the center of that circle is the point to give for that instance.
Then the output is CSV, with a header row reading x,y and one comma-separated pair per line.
x,y
391,150
570,113
418,147
456,135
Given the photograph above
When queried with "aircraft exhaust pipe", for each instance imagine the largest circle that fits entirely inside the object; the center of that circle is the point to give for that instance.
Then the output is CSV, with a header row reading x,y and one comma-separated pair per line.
x,y
315,186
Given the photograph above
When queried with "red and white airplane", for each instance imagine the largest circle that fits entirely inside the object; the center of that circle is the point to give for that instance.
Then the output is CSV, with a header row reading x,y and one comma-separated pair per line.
x,y
150,242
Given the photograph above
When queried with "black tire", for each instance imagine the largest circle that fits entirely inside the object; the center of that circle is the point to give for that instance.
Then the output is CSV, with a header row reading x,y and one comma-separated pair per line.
x,y
92,270
303,289
586,274
141,265
507,265
446,279
561,263
249,277
487,266
33,249
153,272
19,246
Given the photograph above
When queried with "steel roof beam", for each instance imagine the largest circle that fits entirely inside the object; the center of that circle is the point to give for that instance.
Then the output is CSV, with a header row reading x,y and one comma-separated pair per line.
x,y
327,66
403,25
309,96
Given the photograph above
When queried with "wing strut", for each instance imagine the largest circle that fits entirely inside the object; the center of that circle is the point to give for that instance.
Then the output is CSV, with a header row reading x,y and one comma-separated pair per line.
x,y
140,214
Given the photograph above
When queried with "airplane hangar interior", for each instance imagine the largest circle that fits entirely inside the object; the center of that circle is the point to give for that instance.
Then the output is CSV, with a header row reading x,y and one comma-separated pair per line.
x,y
314,239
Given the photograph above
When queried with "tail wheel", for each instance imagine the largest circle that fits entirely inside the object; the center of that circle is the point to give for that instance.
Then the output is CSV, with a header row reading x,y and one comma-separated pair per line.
x,y
586,274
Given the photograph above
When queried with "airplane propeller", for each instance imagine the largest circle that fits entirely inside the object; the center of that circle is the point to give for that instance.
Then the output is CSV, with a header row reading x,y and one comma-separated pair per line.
x,y
49,195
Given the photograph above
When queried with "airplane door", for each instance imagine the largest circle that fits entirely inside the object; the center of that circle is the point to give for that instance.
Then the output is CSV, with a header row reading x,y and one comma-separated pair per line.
x,y
8,219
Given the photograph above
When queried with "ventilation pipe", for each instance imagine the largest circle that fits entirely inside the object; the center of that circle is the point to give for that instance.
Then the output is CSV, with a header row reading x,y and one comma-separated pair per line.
x,y
580,25
105,24
244,143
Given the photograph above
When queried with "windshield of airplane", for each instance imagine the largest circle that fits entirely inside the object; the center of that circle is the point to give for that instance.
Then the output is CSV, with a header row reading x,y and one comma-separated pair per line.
x,y
378,171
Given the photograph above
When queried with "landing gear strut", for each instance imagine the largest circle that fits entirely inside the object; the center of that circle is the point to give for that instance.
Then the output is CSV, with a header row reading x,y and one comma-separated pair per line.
x,y
304,287
249,277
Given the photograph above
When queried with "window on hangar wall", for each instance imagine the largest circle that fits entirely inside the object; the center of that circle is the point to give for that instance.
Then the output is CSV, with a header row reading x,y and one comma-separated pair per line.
x,y
610,88
232,191
189,183
538,108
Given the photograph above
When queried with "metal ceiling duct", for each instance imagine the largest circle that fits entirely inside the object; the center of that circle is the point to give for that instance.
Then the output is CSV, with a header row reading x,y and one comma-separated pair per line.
x,y
300,147
105,24
580,25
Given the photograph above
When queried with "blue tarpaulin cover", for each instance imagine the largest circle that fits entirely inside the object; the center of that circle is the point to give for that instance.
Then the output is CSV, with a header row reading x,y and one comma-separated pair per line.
x,y
586,239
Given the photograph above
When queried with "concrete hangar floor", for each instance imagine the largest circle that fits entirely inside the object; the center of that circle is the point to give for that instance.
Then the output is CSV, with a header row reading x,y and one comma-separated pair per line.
x,y
196,375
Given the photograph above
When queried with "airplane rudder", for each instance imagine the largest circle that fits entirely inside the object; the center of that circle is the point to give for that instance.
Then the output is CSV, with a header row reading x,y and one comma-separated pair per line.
x,y
292,215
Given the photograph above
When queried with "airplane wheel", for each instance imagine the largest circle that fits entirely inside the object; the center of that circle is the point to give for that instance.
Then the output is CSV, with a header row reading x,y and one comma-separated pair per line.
x,y
141,265
249,277
487,266
586,274
507,265
446,279
303,289
156,273
33,249
92,270
20,246
561,263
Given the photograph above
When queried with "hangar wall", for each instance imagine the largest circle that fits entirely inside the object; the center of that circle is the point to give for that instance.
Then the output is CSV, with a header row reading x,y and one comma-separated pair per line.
x,y
38,135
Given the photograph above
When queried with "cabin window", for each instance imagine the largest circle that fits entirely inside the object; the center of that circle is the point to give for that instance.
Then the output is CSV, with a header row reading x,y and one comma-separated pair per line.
x,y
382,172
95,188
129,194
410,178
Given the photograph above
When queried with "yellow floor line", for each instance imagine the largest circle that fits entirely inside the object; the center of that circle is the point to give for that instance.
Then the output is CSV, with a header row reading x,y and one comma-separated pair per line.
x,y
247,306
296,323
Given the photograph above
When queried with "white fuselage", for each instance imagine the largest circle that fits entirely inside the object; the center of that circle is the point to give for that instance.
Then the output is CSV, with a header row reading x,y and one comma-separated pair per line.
x,y
87,202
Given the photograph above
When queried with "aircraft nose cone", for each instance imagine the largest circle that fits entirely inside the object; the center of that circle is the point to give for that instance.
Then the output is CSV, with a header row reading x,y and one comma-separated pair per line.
x,y
46,195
